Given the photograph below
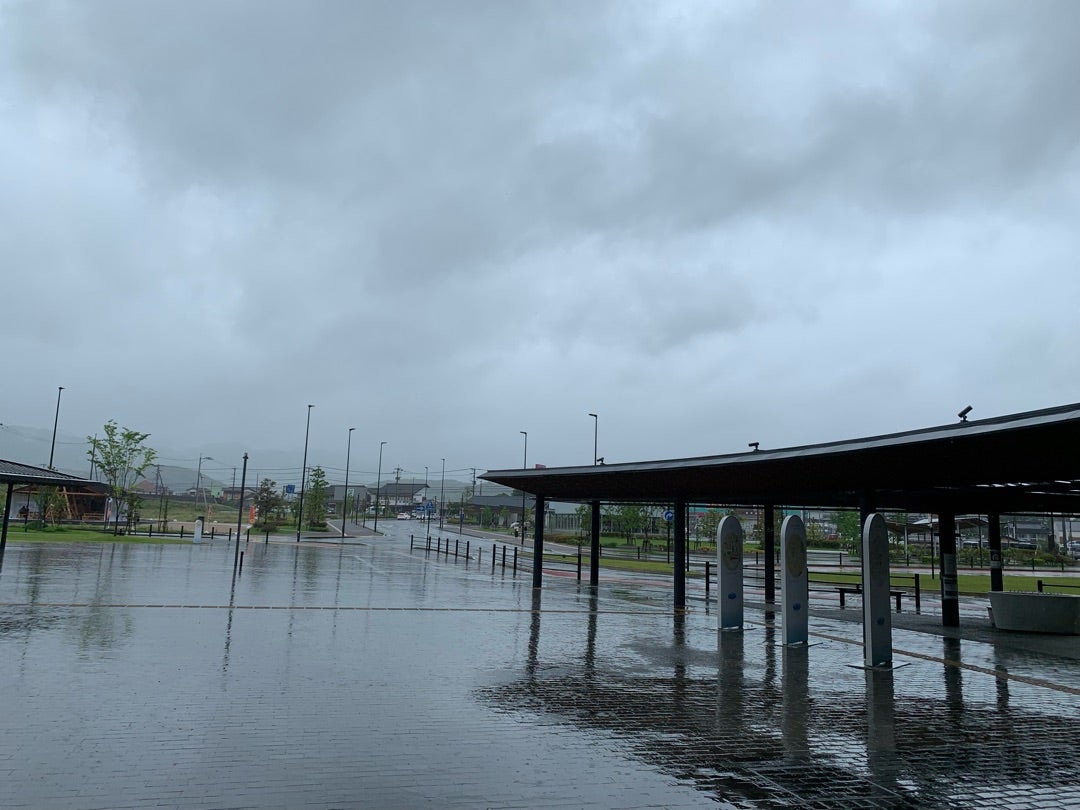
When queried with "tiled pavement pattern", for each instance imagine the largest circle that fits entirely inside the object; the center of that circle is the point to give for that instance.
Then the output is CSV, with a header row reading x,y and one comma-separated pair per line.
x,y
369,676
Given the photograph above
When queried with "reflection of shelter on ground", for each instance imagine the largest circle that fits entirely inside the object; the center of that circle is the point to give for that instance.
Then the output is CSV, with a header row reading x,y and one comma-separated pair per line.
x,y
756,722
1013,464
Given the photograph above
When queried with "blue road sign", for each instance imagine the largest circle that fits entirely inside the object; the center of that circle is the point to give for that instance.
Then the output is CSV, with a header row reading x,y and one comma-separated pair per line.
x,y
290,489
669,516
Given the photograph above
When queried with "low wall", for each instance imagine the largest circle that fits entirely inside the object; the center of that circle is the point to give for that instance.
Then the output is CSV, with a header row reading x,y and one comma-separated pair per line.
x,y
1034,612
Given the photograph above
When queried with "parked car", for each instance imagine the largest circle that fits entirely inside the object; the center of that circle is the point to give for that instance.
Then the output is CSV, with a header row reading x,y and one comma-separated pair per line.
x,y
403,516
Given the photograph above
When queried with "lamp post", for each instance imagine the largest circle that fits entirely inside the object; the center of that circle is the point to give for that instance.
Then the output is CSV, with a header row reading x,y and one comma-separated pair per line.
x,y
427,500
56,420
303,475
378,487
442,489
524,466
198,477
345,497
595,430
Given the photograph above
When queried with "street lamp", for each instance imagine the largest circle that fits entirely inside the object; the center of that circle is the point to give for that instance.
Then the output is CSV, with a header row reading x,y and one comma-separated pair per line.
x,y
595,430
56,419
198,477
442,489
524,466
303,475
345,497
378,487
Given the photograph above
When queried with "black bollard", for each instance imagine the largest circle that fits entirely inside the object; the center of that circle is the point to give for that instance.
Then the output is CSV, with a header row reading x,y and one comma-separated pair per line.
x,y
247,535
515,561
504,559
707,565
579,563
493,558
241,562
230,535
455,547
181,531
267,538
467,543
212,530
479,556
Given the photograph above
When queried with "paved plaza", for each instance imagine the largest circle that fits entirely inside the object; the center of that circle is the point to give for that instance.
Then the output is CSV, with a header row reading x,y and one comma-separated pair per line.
x,y
369,675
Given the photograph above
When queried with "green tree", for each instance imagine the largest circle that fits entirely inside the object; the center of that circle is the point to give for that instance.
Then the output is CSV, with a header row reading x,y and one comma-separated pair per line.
x,y
270,505
316,499
122,457
584,518
848,526
52,506
708,524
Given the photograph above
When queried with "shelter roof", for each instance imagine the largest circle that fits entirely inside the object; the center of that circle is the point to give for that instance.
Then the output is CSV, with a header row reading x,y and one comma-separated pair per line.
x,y
1026,462
22,474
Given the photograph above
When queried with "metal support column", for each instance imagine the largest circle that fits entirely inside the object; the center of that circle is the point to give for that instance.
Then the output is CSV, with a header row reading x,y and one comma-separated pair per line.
x,y
538,540
680,554
7,517
993,537
594,546
769,552
950,594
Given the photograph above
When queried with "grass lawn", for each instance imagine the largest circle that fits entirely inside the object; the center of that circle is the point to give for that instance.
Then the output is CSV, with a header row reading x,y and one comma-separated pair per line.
x,y
70,535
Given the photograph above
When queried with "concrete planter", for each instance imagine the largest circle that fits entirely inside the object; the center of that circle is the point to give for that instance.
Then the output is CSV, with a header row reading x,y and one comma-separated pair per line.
x,y
1033,612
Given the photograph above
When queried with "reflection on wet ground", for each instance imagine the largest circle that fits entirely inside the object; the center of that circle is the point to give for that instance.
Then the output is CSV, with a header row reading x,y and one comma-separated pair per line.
x,y
369,675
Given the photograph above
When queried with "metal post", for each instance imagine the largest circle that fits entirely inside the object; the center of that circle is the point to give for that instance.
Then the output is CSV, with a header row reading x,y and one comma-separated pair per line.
x,y
524,465
442,494
303,476
680,554
769,549
950,595
345,497
538,542
56,421
594,545
994,541
378,487
240,511
595,430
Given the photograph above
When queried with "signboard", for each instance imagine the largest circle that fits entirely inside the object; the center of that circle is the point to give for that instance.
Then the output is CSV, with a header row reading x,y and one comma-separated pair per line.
x,y
669,516
290,489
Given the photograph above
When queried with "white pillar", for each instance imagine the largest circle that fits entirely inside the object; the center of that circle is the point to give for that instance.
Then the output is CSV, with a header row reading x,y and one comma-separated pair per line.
x,y
729,567
796,591
877,620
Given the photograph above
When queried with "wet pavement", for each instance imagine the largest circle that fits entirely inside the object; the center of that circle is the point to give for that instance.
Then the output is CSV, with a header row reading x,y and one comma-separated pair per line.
x,y
369,675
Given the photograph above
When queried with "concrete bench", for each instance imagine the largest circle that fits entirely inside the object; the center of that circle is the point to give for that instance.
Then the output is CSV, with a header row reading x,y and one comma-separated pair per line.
x,y
857,590
1033,612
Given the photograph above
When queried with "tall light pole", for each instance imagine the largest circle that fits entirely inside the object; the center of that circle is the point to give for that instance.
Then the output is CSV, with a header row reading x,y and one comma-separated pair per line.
x,y
378,487
595,431
345,497
524,466
442,489
56,420
427,500
198,477
303,475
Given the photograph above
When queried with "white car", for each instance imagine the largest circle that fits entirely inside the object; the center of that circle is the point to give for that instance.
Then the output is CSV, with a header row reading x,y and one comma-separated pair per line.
x,y
403,516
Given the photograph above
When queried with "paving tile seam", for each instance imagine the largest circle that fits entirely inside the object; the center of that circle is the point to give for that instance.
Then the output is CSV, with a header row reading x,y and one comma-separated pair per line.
x,y
375,608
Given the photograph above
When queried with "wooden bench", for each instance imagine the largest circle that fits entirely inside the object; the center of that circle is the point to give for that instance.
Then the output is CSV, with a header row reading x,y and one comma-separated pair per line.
x,y
843,590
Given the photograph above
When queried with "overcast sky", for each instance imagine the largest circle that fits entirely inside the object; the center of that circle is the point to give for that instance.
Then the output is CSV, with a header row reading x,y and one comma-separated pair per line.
x,y
443,223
